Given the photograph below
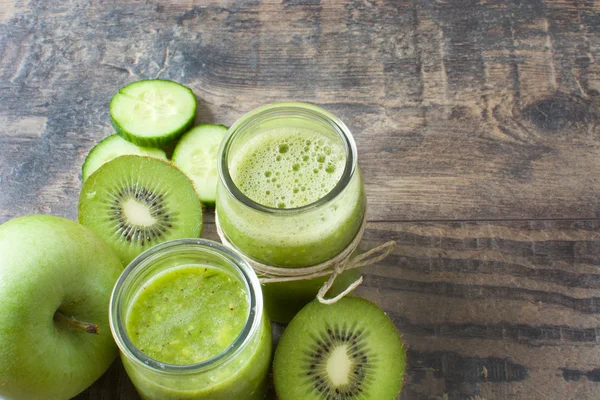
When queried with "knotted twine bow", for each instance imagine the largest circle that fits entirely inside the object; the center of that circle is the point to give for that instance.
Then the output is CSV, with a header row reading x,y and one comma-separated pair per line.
x,y
333,267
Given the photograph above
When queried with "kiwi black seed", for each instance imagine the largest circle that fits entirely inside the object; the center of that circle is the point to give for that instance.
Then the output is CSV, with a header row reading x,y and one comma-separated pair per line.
x,y
348,350
136,202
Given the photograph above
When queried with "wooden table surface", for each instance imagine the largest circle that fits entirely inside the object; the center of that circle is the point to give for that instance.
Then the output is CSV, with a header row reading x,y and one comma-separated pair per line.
x,y
477,127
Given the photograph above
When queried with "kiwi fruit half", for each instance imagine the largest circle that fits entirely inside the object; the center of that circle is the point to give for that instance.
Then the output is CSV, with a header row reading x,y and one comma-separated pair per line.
x,y
347,350
136,202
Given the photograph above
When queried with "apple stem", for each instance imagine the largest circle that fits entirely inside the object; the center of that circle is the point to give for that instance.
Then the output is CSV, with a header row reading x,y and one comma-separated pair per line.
x,y
82,326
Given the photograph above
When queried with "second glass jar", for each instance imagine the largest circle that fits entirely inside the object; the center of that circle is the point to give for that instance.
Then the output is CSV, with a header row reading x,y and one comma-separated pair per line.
x,y
286,236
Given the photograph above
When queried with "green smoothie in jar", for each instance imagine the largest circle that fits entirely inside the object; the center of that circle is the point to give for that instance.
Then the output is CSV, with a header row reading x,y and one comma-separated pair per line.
x,y
290,195
187,316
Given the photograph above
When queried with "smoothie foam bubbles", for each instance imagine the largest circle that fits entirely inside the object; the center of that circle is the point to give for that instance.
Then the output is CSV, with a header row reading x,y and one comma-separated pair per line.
x,y
288,167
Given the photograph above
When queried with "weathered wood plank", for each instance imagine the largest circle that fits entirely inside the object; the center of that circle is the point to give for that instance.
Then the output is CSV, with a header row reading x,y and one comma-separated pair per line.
x,y
461,109
499,310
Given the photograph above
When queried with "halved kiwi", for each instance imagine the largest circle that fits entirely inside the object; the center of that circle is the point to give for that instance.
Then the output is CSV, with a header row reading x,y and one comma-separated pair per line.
x,y
347,350
136,202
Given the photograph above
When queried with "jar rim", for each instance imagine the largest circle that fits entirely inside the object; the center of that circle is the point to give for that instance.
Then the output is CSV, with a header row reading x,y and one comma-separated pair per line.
x,y
298,109
145,260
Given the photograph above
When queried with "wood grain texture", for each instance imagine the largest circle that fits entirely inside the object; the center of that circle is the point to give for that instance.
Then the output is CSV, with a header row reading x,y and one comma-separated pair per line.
x,y
477,128
499,310
461,109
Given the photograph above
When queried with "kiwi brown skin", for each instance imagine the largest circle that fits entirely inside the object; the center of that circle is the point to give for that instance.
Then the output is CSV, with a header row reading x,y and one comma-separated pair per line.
x,y
371,364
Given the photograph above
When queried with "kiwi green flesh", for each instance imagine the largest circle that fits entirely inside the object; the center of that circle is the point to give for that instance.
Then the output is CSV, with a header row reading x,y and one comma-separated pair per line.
x,y
136,202
347,350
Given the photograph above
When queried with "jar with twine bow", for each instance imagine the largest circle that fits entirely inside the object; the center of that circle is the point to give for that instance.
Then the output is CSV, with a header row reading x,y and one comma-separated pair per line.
x,y
291,199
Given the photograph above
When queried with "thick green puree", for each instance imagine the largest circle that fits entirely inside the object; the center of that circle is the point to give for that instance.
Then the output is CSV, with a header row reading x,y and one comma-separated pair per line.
x,y
187,314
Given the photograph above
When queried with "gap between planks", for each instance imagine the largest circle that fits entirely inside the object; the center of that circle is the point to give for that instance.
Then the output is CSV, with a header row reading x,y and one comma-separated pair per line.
x,y
384,221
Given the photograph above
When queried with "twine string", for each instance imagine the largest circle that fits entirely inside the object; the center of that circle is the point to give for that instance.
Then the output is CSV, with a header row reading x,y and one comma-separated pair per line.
x,y
333,267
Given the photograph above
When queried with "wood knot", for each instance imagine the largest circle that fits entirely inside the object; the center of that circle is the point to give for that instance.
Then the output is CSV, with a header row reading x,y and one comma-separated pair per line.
x,y
459,113
560,112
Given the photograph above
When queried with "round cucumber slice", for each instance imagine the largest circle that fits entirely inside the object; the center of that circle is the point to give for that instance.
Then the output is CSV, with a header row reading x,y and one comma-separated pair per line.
x,y
112,147
196,155
152,113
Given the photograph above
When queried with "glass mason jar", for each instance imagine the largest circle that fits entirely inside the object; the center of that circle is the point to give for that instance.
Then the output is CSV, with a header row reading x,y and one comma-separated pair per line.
x,y
291,237
239,371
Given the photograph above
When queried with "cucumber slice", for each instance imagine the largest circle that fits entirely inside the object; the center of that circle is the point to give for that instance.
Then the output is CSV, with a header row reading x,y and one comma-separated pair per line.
x,y
112,147
153,113
196,155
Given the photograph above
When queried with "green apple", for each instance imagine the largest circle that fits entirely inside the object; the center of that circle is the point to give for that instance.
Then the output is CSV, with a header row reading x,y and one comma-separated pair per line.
x,y
56,277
